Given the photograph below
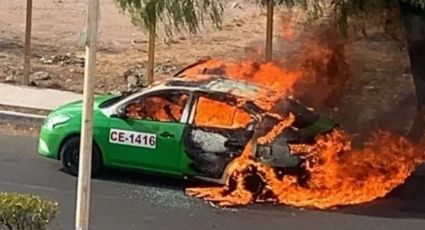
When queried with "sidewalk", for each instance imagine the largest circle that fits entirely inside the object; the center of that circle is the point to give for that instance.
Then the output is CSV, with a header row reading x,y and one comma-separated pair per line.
x,y
35,98
30,98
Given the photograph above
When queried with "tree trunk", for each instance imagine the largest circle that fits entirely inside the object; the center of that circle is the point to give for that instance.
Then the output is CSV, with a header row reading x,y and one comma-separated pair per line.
x,y
414,23
27,55
151,54
269,33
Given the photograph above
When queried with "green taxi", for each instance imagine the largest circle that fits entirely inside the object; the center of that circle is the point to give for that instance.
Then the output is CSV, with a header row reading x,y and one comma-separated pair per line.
x,y
171,128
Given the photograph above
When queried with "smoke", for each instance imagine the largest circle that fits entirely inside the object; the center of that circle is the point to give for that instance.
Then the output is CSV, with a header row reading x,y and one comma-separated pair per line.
x,y
317,50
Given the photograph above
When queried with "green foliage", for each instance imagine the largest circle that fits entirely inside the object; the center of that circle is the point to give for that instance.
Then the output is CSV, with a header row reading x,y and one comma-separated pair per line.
x,y
416,3
174,14
353,5
27,212
344,10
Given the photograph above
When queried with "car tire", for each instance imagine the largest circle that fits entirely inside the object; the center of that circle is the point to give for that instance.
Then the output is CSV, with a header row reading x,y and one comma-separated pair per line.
x,y
70,157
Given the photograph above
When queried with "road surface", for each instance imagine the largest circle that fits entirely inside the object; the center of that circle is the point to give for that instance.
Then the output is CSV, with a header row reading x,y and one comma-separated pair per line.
x,y
122,200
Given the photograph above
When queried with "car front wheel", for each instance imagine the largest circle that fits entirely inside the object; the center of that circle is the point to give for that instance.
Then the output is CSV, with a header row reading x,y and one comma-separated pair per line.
x,y
70,155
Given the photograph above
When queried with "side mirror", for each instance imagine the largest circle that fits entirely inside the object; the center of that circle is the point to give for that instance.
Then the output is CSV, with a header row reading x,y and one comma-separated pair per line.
x,y
120,113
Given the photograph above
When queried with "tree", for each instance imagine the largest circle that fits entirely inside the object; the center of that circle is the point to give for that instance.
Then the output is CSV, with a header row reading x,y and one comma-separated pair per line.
x,y
413,18
311,5
27,54
269,31
413,15
176,15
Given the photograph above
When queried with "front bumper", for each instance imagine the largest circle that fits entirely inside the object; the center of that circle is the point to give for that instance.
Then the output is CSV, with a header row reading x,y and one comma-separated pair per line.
x,y
49,142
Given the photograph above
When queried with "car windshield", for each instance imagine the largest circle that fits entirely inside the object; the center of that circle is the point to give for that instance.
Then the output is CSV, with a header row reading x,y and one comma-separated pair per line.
x,y
238,88
114,100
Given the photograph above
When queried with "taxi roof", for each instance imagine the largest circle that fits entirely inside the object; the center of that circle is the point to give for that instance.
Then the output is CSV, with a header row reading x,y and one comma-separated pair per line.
x,y
221,84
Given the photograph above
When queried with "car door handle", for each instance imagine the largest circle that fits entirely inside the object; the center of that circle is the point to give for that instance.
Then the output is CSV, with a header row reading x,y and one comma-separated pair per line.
x,y
166,135
234,143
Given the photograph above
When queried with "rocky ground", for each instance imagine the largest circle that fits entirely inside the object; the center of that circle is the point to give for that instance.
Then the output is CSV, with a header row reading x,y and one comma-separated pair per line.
x,y
379,94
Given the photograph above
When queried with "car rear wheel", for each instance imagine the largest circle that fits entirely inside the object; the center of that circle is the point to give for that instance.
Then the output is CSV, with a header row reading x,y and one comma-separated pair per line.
x,y
70,154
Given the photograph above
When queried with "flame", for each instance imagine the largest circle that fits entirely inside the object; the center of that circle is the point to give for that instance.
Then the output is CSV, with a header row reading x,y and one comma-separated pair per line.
x,y
269,75
153,108
336,173
277,129
226,196
341,175
212,113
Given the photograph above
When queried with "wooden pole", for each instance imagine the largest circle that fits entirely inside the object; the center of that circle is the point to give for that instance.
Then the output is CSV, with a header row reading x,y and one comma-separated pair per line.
x,y
151,54
269,33
85,160
27,55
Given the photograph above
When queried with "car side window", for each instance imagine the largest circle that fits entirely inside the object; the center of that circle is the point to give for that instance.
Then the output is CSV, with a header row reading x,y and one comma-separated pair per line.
x,y
214,113
165,107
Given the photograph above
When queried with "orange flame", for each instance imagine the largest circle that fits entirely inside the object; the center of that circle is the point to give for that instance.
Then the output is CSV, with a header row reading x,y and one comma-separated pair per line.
x,y
269,137
269,75
152,108
226,196
213,113
336,172
340,175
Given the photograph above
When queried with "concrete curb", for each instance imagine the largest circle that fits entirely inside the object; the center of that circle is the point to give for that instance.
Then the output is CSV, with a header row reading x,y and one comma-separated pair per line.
x,y
24,119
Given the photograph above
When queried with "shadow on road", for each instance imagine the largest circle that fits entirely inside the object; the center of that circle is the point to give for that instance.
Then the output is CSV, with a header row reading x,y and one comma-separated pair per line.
x,y
406,201
148,180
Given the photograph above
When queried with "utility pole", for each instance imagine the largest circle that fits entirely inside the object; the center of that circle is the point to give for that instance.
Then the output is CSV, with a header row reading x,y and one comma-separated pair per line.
x,y
27,55
269,33
85,160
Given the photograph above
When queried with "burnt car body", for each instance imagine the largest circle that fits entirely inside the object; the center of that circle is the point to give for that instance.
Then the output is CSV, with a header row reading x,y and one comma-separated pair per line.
x,y
212,147
191,127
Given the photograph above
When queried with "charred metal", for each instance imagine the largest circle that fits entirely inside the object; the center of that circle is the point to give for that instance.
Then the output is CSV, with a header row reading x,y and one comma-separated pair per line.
x,y
212,144
212,149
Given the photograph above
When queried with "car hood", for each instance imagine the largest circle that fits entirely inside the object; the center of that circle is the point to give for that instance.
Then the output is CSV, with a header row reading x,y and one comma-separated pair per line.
x,y
76,106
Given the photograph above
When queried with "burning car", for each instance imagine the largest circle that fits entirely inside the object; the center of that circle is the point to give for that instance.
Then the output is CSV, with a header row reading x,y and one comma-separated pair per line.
x,y
192,127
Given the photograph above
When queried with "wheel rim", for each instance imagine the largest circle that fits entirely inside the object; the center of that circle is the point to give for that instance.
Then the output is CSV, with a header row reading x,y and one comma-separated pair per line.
x,y
74,161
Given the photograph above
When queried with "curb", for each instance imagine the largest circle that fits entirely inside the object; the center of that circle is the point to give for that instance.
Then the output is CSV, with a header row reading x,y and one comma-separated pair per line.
x,y
24,119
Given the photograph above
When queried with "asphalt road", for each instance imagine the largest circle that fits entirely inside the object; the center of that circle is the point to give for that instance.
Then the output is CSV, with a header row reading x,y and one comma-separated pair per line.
x,y
122,200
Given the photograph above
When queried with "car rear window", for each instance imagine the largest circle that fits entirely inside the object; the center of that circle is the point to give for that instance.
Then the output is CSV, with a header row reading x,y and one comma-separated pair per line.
x,y
218,114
